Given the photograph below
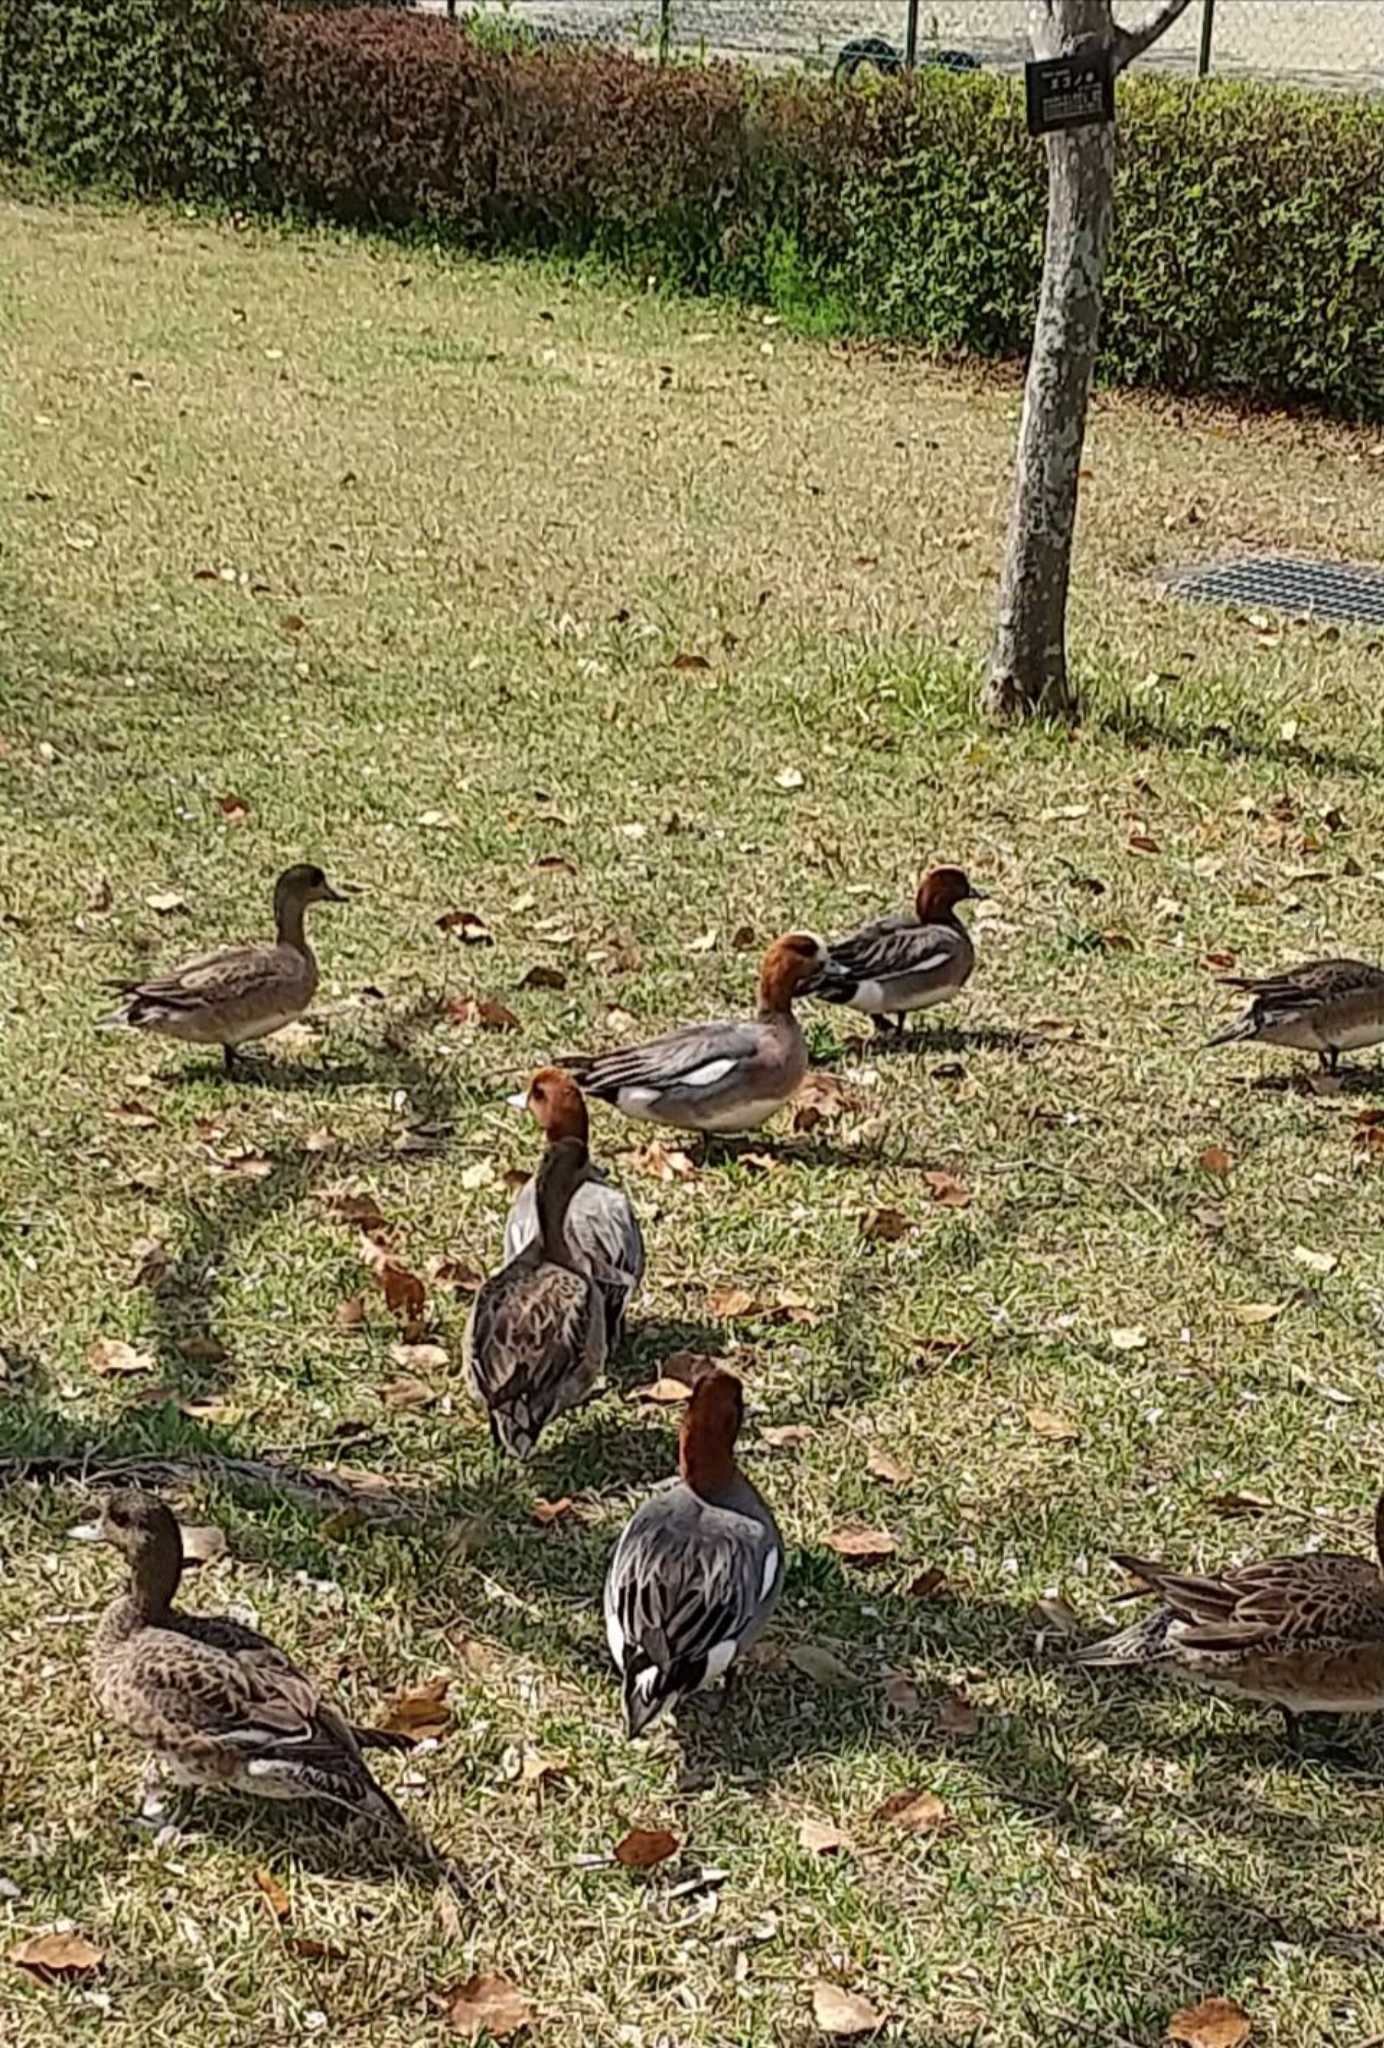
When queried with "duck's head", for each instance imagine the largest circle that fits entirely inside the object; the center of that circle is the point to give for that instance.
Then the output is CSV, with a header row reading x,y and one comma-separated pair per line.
x,y
942,888
144,1531
710,1428
791,963
305,884
556,1104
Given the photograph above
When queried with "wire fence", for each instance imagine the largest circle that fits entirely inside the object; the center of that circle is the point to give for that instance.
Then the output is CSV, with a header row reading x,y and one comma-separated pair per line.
x,y
1330,43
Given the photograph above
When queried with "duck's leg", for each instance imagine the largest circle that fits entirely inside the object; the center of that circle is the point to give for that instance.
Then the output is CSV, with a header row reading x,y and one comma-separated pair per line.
x,y
1292,1729
154,1790
1330,1059
230,1060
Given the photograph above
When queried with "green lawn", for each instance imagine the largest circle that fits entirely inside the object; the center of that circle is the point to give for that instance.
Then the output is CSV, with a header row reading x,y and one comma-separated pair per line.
x,y
400,553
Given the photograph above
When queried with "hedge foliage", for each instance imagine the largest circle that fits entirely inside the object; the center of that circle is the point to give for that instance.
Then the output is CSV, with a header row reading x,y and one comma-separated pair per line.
x,y
1249,251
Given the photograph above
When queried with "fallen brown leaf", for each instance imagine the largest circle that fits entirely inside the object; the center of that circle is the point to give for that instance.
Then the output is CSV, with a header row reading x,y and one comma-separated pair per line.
x,y
481,1010
137,1114
919,1812
1215,1159
150,1262
273,1893
947,1189
408,1392
743,937
488,2004
233,808
901,1695
957,1717
113,1357
421,1712
642,1848
467,926
1134,1339
359,1209
202,1542
403,1291
731,1303
350,1314
861,1545
686,663
820,1837
1215,2023
822,1666
419,1357
544,977
1140,842
546,1512
244,1163
1057,1428
663,1162
929,1585
1254,1313
1316,1262
456,1273
844,2015
57,1955
538,1771
820,1099
203,1351
889,1469
166,902
888,1224
787,1435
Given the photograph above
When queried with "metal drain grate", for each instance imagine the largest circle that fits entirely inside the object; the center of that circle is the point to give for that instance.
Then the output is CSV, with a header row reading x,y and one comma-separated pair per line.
x,y
1281,583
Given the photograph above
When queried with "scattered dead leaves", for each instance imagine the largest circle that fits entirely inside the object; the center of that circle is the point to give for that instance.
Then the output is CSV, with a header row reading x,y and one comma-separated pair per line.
x,y
454,1273
1255,1314
888,1468
421,1711
137,1115
948,1190
540,976
234,809
823,1667
859,1545
687,664
922,1813
929,1585
642,1848
680,1374
467,926
166,902
821,1099
490,2004
1215,2023
1132,1339
1058,1429
663,1162
546,1512
1215,1159
844,2015
957,1718
731,1304
1316,1262
273,1894
482,1011
115,1359
404,1293
820,1837
51,1956
149,1262
889,1225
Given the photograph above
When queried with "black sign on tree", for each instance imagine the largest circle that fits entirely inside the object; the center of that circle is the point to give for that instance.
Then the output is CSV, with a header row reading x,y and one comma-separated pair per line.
x,y
1070,92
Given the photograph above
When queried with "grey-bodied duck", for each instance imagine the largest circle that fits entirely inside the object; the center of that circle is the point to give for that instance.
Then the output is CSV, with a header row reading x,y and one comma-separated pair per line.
x,y
602,1230
535,1342
1304,1634
236,993
719,1077
699,1567
906,961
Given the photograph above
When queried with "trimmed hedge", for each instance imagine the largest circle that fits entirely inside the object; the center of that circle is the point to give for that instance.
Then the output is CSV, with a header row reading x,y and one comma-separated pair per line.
x,y
1249,248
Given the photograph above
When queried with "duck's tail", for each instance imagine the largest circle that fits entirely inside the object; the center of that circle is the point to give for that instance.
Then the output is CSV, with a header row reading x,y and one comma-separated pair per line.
x,y
1243,1027
647,1692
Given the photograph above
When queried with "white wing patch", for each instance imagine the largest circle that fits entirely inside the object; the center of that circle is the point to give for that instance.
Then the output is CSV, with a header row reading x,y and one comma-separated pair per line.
x,y
707,1076
718,1661
769,1576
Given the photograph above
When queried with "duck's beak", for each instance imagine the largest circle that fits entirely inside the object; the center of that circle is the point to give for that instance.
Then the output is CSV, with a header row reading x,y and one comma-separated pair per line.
x,y
86,1532
519,1101
331,895
978,895
829,975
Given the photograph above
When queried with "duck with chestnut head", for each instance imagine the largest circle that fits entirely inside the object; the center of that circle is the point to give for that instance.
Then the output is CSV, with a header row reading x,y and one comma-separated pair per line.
x,y
720,1077
236,993
602,1230
699,1568
909,960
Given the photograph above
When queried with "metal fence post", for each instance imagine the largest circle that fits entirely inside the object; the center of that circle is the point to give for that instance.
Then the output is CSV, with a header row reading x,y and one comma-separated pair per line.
x,y
910,45
665,29
1208,23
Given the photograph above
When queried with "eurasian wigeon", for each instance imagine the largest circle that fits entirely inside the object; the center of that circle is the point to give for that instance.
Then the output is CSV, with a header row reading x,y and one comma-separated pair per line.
x,y
236,993
602,1230
718,1077
908,960
698,1569
1325,1006
535,1341
1303,1634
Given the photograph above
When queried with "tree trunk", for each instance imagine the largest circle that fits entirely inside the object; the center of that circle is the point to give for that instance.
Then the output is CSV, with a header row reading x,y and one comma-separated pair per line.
x,y
1028,673
1028,670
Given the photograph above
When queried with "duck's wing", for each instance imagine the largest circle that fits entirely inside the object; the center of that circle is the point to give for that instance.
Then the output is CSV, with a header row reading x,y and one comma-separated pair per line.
x,y
248,1646
232,976
535,1344
690,1060
687,1584
1285,1602
253,1717
899,951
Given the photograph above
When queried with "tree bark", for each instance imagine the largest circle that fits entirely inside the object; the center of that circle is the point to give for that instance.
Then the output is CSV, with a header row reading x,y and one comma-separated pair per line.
x,y
1028,671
